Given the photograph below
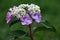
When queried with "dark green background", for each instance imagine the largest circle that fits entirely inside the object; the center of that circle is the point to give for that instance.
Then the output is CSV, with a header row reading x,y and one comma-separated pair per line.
x,y
50,10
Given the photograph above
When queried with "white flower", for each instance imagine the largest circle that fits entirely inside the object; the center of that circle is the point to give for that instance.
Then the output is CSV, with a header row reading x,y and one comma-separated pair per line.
x,y
24,12
14,10
33,8
18,12
21,11
23,5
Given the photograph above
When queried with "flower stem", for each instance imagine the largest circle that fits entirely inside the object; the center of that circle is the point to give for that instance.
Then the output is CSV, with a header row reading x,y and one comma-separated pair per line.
x,y
31,34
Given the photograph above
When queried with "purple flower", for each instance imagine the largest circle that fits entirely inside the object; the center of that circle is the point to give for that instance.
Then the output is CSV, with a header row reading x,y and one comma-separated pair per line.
x,y
8,17
26,20
37,17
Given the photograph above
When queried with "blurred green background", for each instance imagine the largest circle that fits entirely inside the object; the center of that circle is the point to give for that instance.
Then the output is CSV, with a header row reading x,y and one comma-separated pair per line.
x,y
50,10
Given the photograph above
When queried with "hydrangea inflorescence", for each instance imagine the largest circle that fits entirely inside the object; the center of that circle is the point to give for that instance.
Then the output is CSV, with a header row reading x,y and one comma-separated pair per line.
x,y
26,13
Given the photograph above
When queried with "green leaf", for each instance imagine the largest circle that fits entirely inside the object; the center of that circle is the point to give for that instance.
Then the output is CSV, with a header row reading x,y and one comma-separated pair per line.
x,y
42,29
15,34
46,26
13,21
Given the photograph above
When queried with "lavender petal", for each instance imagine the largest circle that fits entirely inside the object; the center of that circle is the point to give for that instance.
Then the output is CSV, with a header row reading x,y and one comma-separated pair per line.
x,y
8,17
26,20
36,17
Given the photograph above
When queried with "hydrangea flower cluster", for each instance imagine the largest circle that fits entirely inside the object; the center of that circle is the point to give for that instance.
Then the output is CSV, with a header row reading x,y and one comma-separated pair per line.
x,y
26,13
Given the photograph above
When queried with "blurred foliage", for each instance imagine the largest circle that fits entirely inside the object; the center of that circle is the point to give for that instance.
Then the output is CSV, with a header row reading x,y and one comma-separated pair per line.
x,y
15,34
50,10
